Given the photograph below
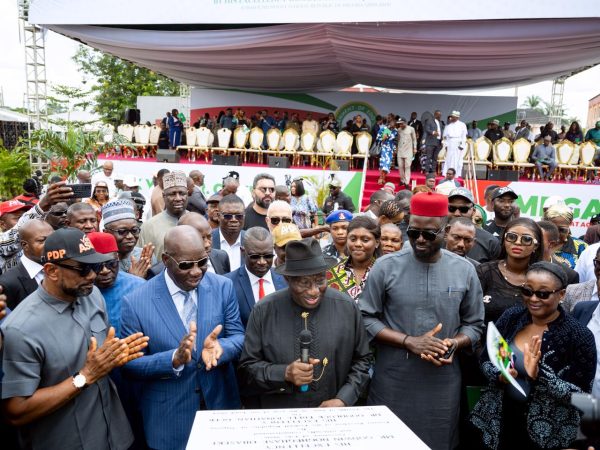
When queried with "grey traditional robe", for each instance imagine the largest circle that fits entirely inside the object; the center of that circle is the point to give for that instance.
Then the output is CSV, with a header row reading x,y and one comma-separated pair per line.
x,y
271,344
412,297
154,231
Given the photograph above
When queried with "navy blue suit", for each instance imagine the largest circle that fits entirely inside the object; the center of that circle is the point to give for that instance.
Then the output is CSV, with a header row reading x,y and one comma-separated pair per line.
x,y
243,289
169,401
582,312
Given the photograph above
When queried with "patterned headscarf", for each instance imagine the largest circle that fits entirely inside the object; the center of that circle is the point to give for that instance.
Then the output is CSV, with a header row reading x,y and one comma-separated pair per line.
x,y
559,210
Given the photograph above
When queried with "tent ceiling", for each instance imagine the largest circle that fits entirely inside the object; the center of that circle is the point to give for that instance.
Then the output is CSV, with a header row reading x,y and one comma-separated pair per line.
x,y
440,55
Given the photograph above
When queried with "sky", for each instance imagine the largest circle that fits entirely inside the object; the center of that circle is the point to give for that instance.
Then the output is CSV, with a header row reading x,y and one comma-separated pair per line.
x,y
60,69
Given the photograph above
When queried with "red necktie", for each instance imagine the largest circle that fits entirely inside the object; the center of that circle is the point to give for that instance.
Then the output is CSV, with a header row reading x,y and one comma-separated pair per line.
x,y
261,288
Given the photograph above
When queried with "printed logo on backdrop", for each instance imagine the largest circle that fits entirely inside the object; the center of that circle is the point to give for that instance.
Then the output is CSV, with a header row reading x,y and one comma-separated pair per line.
x,y
349,110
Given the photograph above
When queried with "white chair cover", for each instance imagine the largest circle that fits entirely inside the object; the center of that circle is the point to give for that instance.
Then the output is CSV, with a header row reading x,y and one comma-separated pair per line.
x,y
588,151
308,141
503,149
521,150
291,140
240,137
273,139
564,151
190,136
223,137
126,130
256,138
204,137
327,140
363,142
343,143
483,147
154,134
142,134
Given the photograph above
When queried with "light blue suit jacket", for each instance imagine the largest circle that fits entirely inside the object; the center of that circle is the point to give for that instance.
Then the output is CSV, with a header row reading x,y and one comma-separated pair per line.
x,y
243,289
169,400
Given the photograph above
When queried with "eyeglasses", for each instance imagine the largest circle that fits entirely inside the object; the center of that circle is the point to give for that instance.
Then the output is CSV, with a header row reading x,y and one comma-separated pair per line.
x,y
110,265
84,269
544,295
308,281
238,217
258,256
276,220
188,265
122,232
265,190
462,209
428,235
525,239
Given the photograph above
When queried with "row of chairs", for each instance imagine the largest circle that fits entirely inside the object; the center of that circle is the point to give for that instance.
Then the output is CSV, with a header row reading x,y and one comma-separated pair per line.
x,y
249,143
571,157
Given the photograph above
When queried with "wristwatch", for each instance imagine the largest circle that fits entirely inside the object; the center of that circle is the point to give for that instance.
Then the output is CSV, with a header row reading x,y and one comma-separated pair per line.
x,y
79,381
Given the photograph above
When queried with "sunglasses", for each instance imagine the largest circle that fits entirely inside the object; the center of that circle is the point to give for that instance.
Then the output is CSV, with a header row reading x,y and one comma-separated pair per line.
x,y
110,265
122,232
188,265
276,220
266,190
525,239
462,209
258,256
84,269
238,217
544,295
428,235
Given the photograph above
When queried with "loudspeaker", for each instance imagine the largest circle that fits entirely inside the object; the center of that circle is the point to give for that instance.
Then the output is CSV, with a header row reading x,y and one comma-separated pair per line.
x,y
166,155
503,175
481,171
132,115
281,162
339,164
222,160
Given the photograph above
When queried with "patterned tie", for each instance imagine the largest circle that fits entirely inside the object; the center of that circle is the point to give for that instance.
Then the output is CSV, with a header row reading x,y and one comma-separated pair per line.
x,y
261,288
189,310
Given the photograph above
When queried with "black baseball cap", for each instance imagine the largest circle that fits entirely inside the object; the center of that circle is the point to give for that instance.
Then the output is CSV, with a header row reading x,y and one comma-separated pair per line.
x,y
71,243
500,192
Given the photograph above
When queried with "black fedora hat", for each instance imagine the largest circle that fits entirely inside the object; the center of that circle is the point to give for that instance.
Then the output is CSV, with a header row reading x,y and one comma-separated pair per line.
x,y
304,257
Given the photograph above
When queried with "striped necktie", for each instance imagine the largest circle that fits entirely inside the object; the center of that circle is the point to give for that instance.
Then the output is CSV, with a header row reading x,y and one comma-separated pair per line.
x,y
189,310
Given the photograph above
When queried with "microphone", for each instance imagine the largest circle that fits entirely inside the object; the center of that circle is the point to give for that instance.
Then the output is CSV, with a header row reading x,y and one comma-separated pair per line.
x,y
305,341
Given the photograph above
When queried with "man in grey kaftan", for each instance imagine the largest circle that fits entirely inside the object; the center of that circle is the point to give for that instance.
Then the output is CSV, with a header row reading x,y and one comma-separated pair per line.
x,y
408,295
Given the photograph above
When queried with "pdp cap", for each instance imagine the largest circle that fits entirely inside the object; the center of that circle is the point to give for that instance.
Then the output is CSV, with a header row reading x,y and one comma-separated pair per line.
x,y
462,192
504,191
71,243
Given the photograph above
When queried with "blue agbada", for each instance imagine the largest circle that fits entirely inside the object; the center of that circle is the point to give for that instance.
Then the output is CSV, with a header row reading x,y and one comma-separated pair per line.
x,y
124,284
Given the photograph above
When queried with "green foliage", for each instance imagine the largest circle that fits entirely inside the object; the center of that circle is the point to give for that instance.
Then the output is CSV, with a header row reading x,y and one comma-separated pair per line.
x,y
14,169
533,102
119,82
71,151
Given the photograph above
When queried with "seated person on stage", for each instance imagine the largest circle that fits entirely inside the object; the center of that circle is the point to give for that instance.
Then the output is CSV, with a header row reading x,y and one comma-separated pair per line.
x,y
338,355
544,154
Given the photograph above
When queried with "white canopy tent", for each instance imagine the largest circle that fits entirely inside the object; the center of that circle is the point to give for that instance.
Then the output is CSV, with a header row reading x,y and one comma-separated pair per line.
x,y
456,44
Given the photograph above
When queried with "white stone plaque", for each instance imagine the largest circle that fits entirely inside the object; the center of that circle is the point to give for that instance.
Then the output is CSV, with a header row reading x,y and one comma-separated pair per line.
x,y
356,428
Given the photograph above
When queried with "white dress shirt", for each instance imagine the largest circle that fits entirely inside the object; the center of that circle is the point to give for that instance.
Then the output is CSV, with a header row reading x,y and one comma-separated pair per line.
x,y
439,129
585,263
35,270
233,251
267,284
594,326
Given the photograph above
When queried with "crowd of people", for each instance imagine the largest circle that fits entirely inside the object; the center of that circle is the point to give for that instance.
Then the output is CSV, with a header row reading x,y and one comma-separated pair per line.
x,y
119,324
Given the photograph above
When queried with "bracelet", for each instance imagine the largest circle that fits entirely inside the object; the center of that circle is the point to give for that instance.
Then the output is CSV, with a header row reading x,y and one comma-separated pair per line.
x,y
403,341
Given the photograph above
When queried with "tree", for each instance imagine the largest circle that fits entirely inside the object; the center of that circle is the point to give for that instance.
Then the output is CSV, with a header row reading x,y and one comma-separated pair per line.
x,y
533,102
119,82
15,168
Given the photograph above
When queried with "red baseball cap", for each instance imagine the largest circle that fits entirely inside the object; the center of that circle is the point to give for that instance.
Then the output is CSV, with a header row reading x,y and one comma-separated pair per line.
x,y
12,206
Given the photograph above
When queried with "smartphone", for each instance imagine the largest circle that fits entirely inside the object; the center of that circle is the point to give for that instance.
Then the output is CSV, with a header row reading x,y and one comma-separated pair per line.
x,y
449,352
83,190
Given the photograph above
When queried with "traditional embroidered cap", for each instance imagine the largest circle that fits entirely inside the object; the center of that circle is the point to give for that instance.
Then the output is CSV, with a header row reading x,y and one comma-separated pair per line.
x,y
462,192
455,114
504,191
496,122
391,186
340,215
117,210
284,233
103,242
174,179
304,257
12,206
71,243
429,204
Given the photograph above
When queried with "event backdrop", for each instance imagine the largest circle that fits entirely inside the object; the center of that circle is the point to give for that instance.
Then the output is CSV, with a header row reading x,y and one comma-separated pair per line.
x,y
346,104
316,181
582,198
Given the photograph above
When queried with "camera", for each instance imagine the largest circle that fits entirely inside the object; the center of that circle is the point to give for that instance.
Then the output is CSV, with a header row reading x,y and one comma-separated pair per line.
x,y
590,420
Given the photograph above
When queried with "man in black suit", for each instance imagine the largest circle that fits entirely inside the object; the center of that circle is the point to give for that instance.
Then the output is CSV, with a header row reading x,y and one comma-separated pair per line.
x,y
196,201
24,278
255,279
433,129
229,236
